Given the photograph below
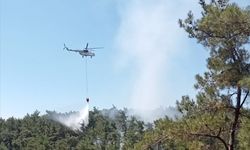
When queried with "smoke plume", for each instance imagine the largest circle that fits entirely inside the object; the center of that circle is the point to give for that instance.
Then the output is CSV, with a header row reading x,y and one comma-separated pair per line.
x,y
147,37
142,40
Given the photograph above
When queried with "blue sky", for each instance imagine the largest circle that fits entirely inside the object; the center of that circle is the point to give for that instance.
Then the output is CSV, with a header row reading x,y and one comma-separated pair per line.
x,y
146,56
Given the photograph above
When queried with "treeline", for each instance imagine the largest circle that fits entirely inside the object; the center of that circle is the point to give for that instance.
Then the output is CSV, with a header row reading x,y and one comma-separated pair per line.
x,y
119,131
103,132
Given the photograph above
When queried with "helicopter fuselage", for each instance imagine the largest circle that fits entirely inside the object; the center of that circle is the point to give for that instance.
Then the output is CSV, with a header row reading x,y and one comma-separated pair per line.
x,y
87,53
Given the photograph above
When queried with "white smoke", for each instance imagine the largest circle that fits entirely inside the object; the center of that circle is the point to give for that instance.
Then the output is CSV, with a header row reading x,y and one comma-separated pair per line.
x,y
74,120
150,115
142,40
147,38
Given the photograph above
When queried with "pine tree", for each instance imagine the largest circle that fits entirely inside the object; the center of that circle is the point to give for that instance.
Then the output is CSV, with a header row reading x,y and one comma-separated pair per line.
x,y
224,29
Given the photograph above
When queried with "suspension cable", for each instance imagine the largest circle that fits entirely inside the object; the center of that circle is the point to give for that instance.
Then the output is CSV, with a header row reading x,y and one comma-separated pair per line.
x,y
86,75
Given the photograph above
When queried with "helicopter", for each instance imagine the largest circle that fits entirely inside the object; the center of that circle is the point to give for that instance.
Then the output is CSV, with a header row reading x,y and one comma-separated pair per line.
x,y
84,52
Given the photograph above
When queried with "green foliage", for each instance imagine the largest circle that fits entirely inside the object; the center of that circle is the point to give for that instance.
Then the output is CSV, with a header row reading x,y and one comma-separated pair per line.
x,y
244,136
224,29
133,134
163,136
108,129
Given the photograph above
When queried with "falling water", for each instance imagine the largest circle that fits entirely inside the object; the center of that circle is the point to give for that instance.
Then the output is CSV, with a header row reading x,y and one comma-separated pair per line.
x,y
75,120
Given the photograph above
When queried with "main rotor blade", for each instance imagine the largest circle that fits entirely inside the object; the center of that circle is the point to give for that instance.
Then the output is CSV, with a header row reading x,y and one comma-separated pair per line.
x,y
96,48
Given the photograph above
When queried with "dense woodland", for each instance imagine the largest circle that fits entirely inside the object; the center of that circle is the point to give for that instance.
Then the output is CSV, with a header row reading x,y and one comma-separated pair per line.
x,y
110,132
103,132
217,118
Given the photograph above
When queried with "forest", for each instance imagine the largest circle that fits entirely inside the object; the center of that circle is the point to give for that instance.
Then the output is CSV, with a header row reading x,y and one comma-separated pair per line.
x,y
217,118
